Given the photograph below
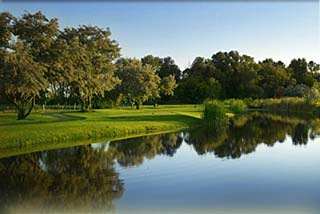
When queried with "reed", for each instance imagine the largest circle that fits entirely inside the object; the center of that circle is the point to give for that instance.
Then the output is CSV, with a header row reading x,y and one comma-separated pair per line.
x,y
289,105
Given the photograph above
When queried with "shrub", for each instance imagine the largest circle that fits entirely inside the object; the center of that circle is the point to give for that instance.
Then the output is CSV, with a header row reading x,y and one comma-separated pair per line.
x,y
236,106
214,113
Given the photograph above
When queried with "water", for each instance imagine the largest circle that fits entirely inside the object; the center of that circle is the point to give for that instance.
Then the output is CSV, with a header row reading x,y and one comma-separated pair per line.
x,y
256,163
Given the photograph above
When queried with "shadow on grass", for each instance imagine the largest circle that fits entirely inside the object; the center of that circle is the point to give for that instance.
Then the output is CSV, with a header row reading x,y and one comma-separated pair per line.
x,y
175,118
59,117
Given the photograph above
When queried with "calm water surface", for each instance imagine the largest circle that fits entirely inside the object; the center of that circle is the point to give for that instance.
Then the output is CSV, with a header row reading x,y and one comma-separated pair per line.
x,y
256,162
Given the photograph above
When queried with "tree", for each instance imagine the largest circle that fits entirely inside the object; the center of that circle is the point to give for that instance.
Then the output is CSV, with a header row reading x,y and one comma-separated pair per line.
x,y
21,79
90,59
6,23
298,90
313,67
237,75
199,82
167,86
274,78
24,44
299,69
313,93
168,67
164,67
139,82
36,32
152,60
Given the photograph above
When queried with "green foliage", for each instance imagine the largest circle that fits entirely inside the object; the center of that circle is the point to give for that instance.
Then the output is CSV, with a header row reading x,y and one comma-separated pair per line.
x,y
167,68
77,66
91,64
198,83
107,102
139,82
237,75
298,90
214,113
154,61
299,69
21,79
235,105
313,93
274,78
167,86
290,105
24,43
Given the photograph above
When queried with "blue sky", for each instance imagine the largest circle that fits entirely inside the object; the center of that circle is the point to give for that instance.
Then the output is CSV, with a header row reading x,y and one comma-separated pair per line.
x,y
280,30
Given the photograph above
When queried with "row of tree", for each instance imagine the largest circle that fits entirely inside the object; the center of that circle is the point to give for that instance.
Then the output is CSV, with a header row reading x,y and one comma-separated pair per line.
x,y
231,75
39,63
37,60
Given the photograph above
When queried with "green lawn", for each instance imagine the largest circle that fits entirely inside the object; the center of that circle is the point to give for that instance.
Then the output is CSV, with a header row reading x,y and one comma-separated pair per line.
x,y
62,129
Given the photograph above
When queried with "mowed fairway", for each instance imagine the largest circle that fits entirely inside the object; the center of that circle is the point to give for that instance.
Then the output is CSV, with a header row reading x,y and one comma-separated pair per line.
x,y
41,131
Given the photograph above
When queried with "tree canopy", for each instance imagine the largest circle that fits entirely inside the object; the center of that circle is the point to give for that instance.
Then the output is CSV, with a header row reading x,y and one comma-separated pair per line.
x,y
139,82
43,64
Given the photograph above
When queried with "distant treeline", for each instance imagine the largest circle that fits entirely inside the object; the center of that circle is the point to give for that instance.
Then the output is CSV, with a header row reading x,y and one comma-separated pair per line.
x,y
42,64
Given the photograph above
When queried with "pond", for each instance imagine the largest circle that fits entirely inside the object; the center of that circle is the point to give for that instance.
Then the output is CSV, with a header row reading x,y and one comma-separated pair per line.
x,y
255,162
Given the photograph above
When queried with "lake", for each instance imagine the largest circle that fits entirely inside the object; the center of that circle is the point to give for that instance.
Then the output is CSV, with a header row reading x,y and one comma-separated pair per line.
x,y
256,162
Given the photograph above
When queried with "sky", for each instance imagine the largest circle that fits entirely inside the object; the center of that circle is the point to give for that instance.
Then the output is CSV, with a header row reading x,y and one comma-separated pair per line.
x,y
184,30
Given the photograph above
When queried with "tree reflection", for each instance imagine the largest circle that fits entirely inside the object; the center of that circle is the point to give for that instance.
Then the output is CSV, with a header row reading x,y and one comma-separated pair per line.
x,y
79,178
23,183
300,135
132,152
84,178
243,134
206,139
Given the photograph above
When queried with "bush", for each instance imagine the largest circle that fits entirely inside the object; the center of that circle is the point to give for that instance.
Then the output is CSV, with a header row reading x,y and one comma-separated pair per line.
x,y
214,113
236,106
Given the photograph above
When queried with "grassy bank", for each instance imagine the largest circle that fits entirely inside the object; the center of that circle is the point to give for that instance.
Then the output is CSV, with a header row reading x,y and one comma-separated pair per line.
x,y
60,129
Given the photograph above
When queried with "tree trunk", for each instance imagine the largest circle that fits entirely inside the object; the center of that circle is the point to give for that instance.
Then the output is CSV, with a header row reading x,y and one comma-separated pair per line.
x,y
21,114
24,111
137,105
86,104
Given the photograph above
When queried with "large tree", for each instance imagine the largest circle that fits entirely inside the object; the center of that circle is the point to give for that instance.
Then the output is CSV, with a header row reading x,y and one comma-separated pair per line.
x,y
164,67
154,61
168,85
38,33
237,74
139,82
274,78
303,72
90,59
24,45
21,79
199,82
168,67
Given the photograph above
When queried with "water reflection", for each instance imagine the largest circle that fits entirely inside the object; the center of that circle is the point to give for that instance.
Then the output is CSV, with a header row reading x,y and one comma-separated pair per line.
x,y
132,152
79,178
85,178
246,132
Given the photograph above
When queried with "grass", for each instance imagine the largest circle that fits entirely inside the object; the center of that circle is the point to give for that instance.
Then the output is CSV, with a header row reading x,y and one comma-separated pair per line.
x,y
62,129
